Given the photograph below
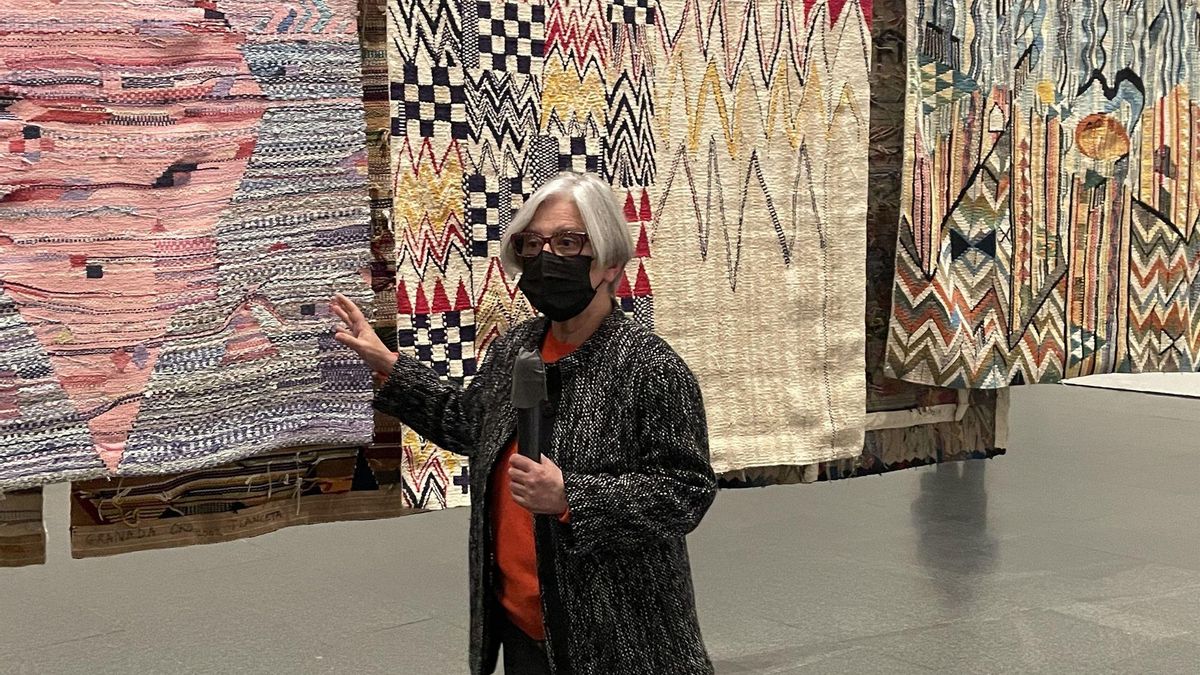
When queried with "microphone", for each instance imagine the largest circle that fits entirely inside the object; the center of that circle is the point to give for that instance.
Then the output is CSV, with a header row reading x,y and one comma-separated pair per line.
x,y
529,398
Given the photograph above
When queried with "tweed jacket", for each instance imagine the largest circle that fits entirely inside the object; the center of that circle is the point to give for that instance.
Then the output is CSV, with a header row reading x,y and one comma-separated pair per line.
x,y
629,433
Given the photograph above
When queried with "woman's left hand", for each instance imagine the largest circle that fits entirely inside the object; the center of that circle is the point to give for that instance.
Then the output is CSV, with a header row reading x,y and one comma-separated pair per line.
x,y
537,486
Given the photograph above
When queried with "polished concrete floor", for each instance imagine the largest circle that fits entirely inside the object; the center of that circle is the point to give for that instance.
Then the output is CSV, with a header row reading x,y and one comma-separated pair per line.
x,y
1079,552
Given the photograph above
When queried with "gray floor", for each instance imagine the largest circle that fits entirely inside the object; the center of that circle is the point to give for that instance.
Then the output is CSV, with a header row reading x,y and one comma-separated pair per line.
x,y
1078,552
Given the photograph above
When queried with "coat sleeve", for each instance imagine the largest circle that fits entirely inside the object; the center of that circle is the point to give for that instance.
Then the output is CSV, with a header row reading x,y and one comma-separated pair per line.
x,y
673,486
446,414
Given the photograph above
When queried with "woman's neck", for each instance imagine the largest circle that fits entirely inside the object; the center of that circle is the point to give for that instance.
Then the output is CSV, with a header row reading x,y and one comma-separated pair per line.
x,y
577,330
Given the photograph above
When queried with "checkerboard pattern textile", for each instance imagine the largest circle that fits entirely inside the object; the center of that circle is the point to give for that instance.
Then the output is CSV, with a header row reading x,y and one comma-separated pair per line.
x,y
443,340
512,36
429,100
491,203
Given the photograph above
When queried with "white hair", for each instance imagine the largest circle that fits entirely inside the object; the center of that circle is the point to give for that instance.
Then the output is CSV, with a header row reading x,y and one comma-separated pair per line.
x,y
612,244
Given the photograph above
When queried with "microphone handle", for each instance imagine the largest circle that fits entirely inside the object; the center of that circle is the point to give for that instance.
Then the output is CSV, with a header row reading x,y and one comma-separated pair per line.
x,y
529,432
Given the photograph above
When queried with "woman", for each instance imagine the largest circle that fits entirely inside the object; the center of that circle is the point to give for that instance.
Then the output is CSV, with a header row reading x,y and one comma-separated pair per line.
x,y
597,580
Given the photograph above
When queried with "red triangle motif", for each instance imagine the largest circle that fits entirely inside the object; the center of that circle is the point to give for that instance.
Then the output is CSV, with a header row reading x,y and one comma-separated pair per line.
x,y
403,306
645,216
623,290
441,303
631,214
643,244
835,7
463,301
421,304
641,288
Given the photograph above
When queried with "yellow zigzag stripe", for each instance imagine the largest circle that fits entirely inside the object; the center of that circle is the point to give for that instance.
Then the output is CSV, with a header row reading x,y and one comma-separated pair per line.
x,y
426,193
573,99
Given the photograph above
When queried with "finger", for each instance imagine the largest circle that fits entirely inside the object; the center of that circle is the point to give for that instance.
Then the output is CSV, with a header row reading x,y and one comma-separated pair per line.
x,y
340,313
340,301
548,463
346,338
353,314
526,477
352,311
522,463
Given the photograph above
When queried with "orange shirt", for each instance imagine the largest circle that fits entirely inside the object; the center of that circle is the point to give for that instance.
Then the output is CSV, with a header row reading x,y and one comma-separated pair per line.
x,y
520,592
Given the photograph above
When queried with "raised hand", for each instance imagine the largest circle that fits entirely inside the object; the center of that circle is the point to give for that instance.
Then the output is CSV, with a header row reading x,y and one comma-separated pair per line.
x,y
357,334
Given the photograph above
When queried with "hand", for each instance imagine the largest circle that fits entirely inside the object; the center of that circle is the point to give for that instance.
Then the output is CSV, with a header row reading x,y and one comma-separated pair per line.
x,y
357,334
538,487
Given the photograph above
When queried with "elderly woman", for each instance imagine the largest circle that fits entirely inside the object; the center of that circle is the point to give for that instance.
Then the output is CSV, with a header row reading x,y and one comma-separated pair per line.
x,y
578,562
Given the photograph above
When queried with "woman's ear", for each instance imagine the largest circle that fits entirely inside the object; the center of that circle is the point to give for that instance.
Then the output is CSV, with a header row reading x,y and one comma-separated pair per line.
x,y
611,275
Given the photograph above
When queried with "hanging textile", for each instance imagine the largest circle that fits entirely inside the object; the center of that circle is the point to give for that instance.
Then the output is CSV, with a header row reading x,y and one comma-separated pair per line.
x,y
735,135
1051,211
372,25
182,185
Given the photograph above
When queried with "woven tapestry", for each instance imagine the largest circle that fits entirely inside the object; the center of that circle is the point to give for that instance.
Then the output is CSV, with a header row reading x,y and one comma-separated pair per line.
x,y
372,24
1051,212
760,121
182,187
735,136
22,535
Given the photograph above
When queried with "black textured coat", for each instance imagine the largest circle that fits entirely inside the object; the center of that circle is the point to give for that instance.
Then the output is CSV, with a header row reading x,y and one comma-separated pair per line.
x,y
630,436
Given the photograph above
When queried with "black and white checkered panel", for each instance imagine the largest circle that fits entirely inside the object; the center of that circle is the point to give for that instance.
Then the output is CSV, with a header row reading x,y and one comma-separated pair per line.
x,y
430,102
484,196
491,203
581,153
551,155
512,36
445,341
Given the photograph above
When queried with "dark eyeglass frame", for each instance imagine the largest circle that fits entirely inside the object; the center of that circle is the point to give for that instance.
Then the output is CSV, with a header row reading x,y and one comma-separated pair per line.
x,y
519,245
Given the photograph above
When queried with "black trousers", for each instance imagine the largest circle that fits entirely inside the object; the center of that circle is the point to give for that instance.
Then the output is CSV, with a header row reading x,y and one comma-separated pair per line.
x,y
522,654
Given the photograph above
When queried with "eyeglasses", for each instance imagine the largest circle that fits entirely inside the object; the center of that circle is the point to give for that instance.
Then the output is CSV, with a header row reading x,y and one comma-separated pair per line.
x,y
565,244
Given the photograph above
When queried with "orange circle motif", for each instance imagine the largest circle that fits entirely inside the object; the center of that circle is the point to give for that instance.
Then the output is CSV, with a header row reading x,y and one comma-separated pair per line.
x,y
1099,136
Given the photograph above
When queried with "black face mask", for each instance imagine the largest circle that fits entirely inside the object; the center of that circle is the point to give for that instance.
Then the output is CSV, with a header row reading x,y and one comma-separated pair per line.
x,y
560,288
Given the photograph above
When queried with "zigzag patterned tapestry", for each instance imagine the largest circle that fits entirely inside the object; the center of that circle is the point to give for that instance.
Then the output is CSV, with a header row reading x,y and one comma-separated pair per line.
x,y
735,134
1051,223
182,186
761,115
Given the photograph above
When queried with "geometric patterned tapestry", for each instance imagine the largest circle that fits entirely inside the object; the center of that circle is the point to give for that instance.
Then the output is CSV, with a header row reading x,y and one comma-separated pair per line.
x,y
182,186
908,424
734,133
1051,203
280,488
